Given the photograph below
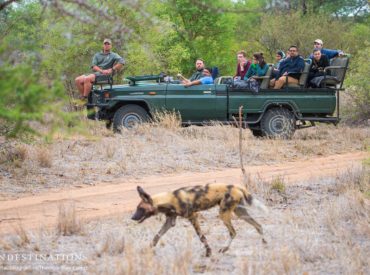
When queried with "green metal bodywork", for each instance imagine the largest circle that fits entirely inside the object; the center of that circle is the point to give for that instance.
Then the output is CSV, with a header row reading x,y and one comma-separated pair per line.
x,y
202,103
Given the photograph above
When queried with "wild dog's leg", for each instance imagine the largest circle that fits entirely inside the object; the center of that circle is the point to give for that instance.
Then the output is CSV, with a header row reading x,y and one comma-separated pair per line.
x,y
170,222
226,218
227,206
242,213
194,221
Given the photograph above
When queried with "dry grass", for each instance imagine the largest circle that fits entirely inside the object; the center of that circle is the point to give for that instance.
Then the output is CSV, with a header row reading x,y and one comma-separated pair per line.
x,y
68,223
44,157
166,119
111,245
22,238
13,153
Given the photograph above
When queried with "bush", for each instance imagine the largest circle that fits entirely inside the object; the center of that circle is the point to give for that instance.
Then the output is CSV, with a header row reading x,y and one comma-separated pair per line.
x,y
356,109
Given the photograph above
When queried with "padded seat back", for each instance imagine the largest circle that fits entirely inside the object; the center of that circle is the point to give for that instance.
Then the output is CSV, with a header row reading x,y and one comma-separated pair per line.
x,y
304,75
103,79
302,82
224,80
339,73
265,82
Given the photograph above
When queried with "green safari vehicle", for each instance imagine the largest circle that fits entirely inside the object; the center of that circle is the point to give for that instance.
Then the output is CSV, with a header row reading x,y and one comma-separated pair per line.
x,y
270,113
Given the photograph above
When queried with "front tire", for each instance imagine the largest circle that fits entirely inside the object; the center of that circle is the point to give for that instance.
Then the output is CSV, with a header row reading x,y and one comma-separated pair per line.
x,y
278,123
129,116
257,133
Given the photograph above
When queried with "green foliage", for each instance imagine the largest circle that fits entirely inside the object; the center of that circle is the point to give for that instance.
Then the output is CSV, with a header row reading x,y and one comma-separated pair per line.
x,y
44,47
24,100
359,86
280,31
199,30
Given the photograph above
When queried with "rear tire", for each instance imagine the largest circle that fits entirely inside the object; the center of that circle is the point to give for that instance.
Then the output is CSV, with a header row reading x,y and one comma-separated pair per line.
x,y
129,116
278,123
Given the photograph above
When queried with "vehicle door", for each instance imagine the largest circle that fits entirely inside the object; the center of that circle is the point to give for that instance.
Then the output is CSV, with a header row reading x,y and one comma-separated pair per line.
x,y
197,103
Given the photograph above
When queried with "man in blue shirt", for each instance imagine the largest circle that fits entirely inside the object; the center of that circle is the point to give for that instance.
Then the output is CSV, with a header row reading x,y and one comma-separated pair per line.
x,y
318,44
205,79
290,69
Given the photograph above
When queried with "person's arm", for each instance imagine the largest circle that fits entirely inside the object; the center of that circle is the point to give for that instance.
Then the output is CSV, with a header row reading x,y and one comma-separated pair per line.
x,y
331,53
119,63
247,66
97,69
192,83
94,64
263,71
183,79
117,67
249,73
298,66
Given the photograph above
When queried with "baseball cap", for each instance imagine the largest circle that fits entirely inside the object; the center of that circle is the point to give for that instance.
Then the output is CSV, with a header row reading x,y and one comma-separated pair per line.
x,y
319,41
106,40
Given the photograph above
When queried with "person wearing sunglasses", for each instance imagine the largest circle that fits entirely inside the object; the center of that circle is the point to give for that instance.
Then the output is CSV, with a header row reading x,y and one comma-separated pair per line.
x,y
318,44
105,62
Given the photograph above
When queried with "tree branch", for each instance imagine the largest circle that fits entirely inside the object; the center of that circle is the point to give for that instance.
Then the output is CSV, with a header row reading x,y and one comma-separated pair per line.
x,y
3,5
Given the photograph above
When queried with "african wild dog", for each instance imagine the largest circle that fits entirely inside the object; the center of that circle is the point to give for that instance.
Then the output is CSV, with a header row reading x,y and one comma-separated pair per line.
x,y
187,201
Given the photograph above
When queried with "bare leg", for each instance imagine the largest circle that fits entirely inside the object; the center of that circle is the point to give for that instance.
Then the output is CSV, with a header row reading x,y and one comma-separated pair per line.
x,y
79,81
242,213
88,84
272,83
194,221
170,222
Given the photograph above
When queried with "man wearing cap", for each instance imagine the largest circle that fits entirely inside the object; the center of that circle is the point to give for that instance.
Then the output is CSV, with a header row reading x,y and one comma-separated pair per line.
x,y
318,44
103,63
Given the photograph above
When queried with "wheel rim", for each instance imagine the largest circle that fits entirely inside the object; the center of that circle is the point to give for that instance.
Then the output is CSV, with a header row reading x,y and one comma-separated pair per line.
x,y
280,125
131,120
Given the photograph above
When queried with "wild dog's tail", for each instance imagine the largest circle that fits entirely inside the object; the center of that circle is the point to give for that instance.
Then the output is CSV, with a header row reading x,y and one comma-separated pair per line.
x,y
254,202
260,205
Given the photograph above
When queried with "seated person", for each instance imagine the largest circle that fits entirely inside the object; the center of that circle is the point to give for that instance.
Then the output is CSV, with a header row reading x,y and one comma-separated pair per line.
x,y
103,63
290,69
243,65
280,55
205,79
318,44
199,65
319,63
258,68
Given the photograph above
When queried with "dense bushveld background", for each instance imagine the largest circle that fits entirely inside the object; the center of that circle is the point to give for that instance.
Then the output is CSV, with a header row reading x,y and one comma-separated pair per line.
x,y
45,44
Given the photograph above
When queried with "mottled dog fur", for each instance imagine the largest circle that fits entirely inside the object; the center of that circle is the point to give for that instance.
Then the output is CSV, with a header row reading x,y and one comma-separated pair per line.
x,y
187,201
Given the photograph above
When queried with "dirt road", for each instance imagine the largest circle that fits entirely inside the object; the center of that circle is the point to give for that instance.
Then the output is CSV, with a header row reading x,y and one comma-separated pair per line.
x,y
115,198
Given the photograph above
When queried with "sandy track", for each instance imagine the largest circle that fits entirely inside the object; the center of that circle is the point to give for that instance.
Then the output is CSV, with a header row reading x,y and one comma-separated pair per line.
x,y
116,198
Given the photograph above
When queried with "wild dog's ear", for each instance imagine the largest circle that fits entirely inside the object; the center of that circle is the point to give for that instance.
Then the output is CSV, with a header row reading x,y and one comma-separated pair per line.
x,y
144,195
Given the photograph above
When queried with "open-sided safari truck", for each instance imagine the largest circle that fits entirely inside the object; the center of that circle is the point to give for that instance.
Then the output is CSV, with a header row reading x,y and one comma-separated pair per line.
x,y
270,113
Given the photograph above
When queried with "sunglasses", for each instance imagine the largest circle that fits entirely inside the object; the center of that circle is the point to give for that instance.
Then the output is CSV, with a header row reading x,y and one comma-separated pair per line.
x,y
106,43
316,43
